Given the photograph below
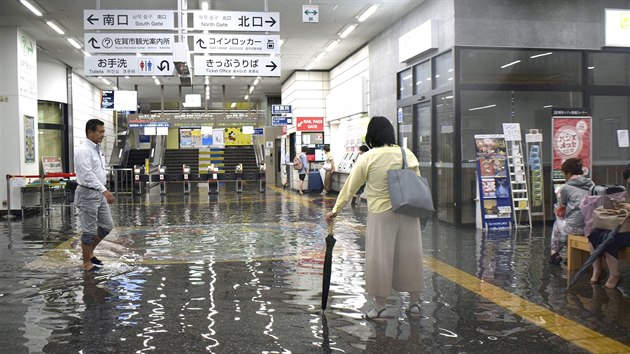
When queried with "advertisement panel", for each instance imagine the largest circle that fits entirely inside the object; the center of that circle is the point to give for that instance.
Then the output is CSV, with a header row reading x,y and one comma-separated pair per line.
x,y
571,137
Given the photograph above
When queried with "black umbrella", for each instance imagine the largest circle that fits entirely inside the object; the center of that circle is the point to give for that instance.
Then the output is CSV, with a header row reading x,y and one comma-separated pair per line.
x,y
330,244
607,239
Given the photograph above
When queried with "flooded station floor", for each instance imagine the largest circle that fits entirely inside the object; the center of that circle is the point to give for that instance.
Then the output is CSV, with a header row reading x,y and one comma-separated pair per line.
x,y
235,273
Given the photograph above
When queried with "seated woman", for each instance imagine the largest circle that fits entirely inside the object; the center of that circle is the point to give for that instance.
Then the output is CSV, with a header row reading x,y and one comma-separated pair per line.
x,y
570,219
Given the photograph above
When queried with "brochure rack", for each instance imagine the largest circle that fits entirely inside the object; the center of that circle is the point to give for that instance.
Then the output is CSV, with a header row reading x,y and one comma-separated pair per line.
x,y
495,196
517,173
533,149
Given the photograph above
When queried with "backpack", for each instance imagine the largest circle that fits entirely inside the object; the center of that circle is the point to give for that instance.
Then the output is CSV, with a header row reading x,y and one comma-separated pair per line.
x,y
297,163
605,189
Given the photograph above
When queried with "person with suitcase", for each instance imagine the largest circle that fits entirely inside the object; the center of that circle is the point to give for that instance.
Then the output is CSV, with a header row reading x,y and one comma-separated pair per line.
x,y
569,216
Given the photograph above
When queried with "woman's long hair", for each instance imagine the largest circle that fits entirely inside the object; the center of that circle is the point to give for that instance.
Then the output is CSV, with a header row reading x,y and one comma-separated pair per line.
x,y
380,132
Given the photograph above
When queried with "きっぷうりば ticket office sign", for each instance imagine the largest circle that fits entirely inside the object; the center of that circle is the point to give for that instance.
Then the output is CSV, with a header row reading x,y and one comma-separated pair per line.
x,y
131,65
128,19
236,21
310,124
236,65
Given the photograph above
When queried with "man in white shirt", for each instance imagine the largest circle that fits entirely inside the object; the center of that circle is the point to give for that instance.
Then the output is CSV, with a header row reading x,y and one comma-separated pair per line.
x,y
92,197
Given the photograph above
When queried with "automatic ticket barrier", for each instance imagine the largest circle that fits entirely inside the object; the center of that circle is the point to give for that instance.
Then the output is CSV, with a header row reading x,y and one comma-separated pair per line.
x,y
138,179
186,172
239,178
213,179
262,182
162,171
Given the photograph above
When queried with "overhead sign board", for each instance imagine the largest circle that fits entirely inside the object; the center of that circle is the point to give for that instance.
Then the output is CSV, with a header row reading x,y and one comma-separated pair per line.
x,y
236,21
128,19
313,124
237,65
281,108
128,43
280,120
310,13
131,65
237,43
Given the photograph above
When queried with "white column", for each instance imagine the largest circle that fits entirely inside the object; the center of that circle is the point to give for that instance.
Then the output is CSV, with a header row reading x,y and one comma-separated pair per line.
x,y
18,109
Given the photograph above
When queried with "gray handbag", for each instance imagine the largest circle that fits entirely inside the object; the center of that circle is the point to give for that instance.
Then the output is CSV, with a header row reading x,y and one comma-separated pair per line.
x,y
409,193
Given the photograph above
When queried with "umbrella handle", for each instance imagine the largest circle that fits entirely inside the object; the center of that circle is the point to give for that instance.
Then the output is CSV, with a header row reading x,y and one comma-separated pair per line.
x,y
330,227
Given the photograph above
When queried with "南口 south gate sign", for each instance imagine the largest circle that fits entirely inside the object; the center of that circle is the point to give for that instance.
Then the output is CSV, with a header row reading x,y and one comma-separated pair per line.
x,y
310,124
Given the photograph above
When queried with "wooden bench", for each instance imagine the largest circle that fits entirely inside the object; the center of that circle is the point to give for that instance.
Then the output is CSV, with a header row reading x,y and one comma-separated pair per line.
x,y
578,251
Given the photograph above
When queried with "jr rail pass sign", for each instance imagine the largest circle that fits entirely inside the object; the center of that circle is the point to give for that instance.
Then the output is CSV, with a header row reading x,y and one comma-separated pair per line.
x,y
571,138
310,124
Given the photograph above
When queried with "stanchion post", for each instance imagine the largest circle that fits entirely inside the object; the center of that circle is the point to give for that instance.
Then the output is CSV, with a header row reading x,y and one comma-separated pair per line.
x,y
137,185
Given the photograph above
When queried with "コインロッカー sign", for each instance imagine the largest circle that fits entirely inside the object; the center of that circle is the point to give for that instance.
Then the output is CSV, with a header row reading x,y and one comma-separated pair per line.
x,y
310,124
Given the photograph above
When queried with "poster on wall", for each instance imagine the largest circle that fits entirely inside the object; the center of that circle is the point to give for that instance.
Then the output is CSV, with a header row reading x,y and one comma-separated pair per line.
x,y
51,164
218,138
185,138
571,137
235,136
29,139
495,195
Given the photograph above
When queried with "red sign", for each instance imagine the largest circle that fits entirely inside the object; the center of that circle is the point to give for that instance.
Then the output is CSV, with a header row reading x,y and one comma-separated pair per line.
x,y
571,138
310,124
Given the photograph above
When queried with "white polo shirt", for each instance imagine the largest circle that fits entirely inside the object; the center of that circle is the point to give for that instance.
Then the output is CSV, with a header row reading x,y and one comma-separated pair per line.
x,y
89,165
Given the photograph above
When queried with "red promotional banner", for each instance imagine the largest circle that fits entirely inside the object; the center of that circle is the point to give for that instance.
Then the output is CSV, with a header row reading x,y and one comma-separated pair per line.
x,y
571,138
310,124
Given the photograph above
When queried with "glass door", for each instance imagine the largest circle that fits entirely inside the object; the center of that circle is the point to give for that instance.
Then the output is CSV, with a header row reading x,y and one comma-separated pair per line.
x,y
422,147
444,186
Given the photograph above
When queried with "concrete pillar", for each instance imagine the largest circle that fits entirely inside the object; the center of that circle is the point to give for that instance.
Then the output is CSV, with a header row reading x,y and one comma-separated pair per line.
x,y
18,109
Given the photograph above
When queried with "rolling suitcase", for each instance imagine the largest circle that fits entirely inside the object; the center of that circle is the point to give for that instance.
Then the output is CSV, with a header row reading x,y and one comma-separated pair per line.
x,y
315,181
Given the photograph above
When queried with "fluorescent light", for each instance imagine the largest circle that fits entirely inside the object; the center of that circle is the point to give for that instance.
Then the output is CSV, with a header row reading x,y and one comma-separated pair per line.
x,y
115,88
232,77
540,55
157,81
107,82
207,80
332,45
256,81
309,66
281,42
138,54
233,105
33,7
510,64
251,89
126,76
483,107
367,13
591,67
319,56
548,106
346,31
246,97
204,5
86,53
74,42
55,26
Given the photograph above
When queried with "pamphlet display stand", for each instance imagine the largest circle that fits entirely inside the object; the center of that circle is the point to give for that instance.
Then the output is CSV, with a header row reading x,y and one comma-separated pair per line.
x,y
518,178
533,149
495,196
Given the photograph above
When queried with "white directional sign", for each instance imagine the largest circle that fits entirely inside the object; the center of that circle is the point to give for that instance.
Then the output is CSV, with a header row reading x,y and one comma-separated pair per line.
x,y
237,65
237,43
128,43
236,21
128,19
121,65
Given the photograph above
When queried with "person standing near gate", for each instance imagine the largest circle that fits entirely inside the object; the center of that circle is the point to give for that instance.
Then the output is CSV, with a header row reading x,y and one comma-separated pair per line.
x,y
91,196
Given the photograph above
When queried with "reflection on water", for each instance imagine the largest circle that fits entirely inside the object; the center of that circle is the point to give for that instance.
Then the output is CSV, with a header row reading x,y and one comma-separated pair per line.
x,y
243,274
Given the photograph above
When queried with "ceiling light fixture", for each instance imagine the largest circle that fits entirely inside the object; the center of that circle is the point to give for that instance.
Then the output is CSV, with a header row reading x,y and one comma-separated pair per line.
x,y
33,7
233,105
157,81
107,82
510,64
86,53
55,26
74,42
332,45
346,30
319,56
540,55
138,54
483,107
251,89
246,97
367,13
256,81
309,66
204,5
